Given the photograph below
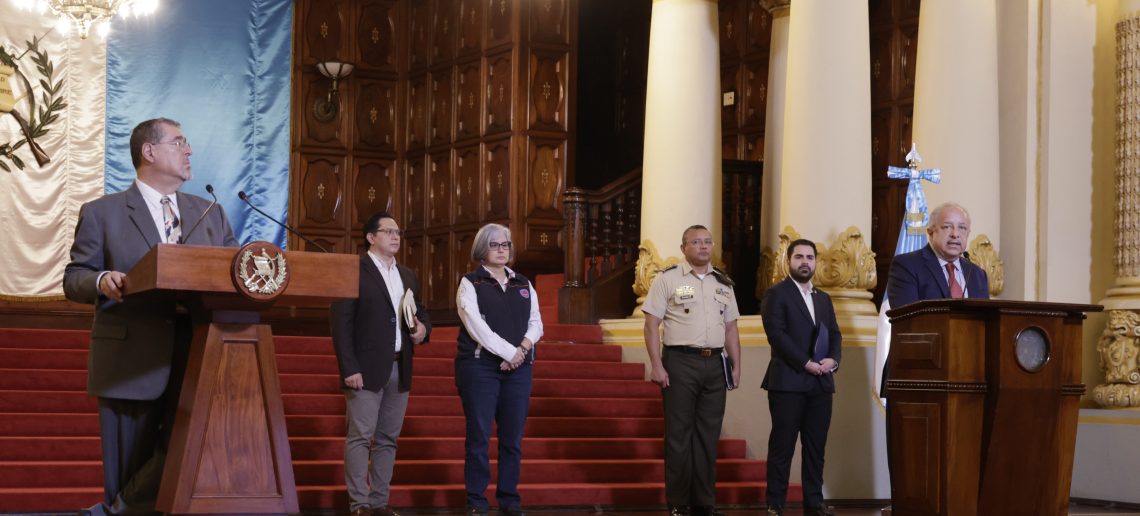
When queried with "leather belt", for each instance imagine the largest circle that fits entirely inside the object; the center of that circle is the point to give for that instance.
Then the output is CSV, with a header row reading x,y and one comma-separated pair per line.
x,y
690,350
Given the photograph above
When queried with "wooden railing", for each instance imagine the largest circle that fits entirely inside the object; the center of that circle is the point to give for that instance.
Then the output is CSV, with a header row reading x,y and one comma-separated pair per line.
x,y
602,231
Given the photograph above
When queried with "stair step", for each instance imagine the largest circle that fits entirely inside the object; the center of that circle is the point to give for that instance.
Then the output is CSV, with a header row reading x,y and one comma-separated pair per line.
x,y
309,364
324,383
587,496
89,473
81,448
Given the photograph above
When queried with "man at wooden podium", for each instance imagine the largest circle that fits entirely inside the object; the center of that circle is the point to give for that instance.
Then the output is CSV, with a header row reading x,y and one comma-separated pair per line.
x,y
374,336
942,269
138,348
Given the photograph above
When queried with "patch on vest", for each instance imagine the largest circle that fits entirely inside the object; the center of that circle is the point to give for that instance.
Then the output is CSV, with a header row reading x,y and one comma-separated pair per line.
x,y
525,293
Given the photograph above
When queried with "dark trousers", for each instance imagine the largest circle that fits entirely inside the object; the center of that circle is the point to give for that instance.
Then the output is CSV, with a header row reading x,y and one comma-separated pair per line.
x,y
694,410
134,435
503,397
808,416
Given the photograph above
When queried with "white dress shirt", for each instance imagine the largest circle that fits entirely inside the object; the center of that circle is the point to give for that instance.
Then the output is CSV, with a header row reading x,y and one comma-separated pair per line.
x,y
154,204
472,319
805,291
391,275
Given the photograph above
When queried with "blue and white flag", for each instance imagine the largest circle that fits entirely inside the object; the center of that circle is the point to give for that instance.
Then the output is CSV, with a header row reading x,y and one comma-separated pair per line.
x,y
219,67
912,237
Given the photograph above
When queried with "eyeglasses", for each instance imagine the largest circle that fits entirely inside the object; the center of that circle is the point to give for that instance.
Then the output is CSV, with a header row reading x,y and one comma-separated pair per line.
x,y
495,246
178,143
392,232
708,242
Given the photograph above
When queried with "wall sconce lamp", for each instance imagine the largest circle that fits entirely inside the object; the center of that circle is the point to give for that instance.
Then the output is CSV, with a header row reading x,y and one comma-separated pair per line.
x,y
325,108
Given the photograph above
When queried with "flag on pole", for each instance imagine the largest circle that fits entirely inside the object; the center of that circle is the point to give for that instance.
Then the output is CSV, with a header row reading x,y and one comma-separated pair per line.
x,y
912,237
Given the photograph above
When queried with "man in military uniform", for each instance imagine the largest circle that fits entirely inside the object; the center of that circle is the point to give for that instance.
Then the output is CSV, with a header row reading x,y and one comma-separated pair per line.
x,y
698,305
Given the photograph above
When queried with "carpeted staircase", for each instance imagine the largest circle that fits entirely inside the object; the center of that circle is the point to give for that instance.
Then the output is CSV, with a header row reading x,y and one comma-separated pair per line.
x,y
593,436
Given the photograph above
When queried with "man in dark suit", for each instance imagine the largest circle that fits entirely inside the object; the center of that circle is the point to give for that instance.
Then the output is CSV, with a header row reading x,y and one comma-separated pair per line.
x,y
374,345
925,273
806,347
138,348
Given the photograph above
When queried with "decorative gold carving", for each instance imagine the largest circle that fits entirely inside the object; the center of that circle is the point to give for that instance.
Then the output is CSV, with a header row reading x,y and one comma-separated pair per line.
x,y
373,115
371,194
543,238
1119,350
324,30
728,30
847,264
983,254
321,191
649,265
375,35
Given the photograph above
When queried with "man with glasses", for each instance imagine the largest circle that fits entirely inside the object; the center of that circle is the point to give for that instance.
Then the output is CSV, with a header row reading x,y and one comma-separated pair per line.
x,y
138,347
374,338
698,306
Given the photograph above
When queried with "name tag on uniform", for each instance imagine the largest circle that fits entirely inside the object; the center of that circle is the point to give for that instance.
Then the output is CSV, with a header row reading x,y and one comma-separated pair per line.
x,y
686,292
723,291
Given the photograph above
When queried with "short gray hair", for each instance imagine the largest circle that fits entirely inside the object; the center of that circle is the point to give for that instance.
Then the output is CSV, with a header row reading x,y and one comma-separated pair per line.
x,y
482,244
937,212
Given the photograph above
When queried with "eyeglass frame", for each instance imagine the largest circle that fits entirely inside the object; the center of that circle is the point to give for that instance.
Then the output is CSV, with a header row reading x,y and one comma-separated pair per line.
x,y
500,246
178,142
389,231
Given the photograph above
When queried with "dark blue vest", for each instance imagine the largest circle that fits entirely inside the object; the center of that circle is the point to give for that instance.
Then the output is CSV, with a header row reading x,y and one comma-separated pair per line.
x,y
506,312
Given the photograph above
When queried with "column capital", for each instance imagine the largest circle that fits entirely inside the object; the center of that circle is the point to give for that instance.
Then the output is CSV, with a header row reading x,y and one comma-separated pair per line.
x,y
777,7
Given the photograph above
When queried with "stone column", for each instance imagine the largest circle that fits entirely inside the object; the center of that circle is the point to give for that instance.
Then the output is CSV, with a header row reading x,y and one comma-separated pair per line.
x,y
1119,346
956,117
773,140
681,171
824,179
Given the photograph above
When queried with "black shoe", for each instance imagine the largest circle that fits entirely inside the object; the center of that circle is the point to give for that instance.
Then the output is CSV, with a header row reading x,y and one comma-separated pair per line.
x,y
511,511
476,511
706,510
678,510
822,510
775,510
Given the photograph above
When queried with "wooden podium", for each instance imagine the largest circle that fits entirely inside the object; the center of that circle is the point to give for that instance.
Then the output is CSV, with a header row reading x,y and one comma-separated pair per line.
x,y
229,451
983,399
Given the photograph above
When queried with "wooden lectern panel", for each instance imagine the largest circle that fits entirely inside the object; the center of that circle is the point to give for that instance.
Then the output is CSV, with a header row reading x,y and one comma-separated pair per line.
x,y
973,429
232,391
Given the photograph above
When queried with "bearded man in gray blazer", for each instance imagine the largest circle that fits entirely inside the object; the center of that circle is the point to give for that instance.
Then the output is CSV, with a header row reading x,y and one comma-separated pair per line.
x,y
138,348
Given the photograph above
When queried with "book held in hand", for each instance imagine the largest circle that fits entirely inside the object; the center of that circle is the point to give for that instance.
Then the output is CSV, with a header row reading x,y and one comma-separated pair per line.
x,y
408,308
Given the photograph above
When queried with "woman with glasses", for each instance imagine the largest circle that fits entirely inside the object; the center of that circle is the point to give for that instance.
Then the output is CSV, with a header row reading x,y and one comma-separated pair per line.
x,y
501,325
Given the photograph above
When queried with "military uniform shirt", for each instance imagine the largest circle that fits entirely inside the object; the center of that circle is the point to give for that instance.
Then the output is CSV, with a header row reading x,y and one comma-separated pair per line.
x,y
694,309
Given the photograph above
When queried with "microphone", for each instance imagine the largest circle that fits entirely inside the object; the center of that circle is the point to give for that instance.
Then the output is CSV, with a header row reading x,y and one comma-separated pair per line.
x,y
242,195
186,236
966,272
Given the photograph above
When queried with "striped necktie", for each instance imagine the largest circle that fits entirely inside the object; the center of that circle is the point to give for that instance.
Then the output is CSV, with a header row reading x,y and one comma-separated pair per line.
x,y
170,221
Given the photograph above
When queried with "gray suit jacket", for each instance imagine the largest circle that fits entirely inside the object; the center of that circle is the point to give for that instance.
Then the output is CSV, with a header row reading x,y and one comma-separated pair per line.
x,y
131,342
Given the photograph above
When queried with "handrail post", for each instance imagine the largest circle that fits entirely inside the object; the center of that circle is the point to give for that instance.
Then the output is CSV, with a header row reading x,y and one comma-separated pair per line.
x,y
574,214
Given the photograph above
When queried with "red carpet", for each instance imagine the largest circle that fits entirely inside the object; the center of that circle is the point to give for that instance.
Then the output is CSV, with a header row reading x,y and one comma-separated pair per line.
x,y
593,435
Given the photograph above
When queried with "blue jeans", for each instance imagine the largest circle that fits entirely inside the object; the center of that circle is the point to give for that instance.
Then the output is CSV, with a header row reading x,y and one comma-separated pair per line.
x,y
503,397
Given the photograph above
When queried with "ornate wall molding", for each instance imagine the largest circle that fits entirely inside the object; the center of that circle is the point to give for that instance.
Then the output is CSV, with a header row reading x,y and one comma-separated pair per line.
x,y
984,255
1119,350
649,265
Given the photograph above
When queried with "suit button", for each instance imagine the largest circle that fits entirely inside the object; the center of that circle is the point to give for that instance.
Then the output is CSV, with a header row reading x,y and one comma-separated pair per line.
x,y
393,320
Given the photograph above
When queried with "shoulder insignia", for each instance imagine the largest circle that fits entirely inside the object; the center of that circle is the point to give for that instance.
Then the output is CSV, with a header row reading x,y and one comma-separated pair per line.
x,y
671,267
722,277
